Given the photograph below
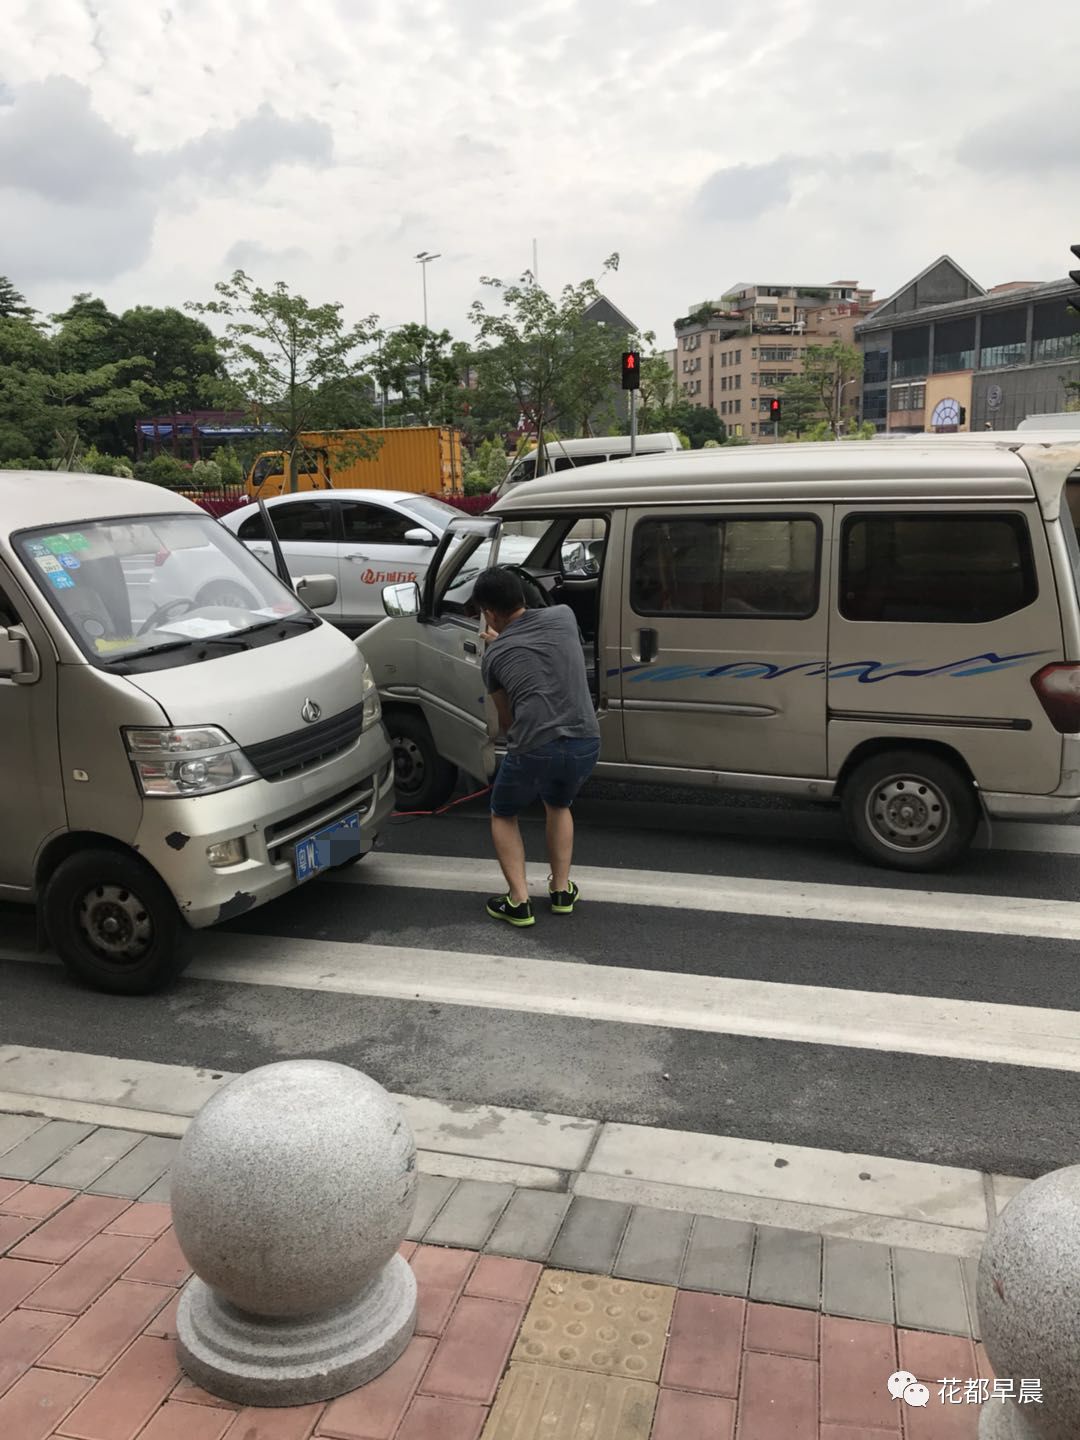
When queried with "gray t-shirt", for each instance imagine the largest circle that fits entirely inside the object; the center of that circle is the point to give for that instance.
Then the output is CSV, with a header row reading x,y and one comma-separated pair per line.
x,y
539,662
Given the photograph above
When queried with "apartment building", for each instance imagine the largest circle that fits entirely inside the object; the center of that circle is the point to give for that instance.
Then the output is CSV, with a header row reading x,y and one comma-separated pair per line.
x,y
735,354
943,354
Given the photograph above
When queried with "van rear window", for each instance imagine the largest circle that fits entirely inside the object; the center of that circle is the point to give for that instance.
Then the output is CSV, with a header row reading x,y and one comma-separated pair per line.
x,y
954,569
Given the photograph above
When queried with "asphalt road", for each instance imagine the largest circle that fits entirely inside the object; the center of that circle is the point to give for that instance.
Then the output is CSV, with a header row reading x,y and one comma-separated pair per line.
x,y
863,1097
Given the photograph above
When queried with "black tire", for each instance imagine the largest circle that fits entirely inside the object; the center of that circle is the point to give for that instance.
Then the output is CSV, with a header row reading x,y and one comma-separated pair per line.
x,y
95,888
423,780
910,810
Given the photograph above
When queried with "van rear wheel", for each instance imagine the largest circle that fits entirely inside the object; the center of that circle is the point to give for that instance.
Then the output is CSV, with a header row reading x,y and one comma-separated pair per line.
x,y
909,810
423,780
114,924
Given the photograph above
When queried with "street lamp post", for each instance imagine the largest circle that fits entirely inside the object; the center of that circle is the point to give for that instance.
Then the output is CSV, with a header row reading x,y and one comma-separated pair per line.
x,y
840,388
424,259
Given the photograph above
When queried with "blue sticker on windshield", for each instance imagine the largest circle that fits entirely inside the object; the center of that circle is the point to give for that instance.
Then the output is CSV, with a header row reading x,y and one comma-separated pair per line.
x,y
70,562
62,580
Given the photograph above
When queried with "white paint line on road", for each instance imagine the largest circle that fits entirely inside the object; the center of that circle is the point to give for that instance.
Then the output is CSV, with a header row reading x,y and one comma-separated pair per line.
x,y
720,1171
733,895
934,1194
991,1033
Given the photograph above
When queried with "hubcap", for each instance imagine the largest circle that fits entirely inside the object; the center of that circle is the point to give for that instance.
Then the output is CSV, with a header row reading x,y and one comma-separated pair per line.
x,y
907,812
409,765
116,924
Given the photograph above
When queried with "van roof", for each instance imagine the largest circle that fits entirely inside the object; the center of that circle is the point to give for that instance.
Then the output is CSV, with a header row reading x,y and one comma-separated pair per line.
x,y
927,467
49,497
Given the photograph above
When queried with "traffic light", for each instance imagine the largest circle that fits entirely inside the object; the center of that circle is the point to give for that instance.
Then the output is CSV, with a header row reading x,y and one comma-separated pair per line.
x,y
774,411
1074,275
631,370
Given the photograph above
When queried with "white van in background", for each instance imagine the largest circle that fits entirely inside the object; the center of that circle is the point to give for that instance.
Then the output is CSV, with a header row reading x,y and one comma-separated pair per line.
x,y
593,450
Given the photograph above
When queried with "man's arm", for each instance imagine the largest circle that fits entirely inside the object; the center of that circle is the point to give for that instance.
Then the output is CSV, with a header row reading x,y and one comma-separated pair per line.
x,y
502,707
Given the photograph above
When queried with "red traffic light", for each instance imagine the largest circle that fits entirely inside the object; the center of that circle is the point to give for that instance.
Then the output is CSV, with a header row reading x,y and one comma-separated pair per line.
x,y
631,370
774,407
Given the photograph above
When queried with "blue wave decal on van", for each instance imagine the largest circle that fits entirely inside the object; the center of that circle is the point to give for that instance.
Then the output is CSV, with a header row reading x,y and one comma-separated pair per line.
x,y
866,672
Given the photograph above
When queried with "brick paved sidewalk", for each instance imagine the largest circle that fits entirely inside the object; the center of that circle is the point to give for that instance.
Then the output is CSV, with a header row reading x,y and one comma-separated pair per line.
x,y
88,1291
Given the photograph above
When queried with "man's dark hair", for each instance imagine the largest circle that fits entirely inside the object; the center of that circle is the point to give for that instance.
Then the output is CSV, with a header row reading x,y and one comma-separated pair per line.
x,y
498,590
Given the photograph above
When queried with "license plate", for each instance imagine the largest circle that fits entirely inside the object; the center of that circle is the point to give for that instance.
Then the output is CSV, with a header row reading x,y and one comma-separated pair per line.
x,y
328,847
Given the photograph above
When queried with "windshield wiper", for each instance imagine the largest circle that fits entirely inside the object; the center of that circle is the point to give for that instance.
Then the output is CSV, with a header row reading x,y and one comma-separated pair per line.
x,y
307,621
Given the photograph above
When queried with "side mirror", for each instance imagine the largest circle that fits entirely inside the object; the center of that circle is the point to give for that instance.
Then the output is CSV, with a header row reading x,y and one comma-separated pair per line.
x,y
401,600
419,537
18,658
317,592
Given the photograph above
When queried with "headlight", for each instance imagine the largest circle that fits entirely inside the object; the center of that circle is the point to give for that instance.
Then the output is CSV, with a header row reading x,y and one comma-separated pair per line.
x,y
198,760
372,705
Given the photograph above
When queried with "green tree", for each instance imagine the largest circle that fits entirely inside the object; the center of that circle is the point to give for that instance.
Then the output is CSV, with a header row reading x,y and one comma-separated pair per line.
x,y
699,423
534,355
419,367
829,369
13,304
657,394
281,353
800,405
181,364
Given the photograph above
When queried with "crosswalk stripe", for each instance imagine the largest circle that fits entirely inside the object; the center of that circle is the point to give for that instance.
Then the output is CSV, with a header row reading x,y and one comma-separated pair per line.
x,y
809,1014
735,895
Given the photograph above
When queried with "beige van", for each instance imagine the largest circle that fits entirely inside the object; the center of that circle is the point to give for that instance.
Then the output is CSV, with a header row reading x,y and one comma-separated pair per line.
x,y
892,627
173,755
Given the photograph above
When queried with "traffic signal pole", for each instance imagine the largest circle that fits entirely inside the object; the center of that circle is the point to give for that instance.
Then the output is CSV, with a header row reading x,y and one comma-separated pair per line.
x,y
633,422
631,380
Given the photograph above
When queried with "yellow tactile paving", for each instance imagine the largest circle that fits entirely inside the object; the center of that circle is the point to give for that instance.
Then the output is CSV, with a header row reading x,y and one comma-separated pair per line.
x,y
593,1322
545,1402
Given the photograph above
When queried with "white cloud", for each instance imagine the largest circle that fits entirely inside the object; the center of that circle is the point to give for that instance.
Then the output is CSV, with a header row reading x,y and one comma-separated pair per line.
x,y
329,140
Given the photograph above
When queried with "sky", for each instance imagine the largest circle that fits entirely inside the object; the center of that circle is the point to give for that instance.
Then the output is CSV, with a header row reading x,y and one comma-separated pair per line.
x,y
150,147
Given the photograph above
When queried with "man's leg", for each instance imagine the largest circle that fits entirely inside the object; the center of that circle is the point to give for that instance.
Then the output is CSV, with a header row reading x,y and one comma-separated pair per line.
x,y
510,852
560,844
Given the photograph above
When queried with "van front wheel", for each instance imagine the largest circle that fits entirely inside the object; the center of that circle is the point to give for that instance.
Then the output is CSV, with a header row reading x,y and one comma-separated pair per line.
x,y
910,811
423,780
114,923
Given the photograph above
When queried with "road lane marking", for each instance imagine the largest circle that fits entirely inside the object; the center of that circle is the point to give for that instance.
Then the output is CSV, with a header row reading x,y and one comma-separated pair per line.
x,y
961,912
986,1032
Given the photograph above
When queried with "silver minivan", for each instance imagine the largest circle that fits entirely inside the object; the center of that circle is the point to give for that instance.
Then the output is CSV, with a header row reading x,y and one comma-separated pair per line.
x,y
893,627
167,763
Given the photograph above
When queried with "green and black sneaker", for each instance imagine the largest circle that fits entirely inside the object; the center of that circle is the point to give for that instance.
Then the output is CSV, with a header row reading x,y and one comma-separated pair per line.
x,y
563,901
501,907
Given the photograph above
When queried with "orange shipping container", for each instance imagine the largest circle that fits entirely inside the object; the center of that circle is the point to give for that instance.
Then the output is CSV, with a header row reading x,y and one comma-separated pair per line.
x,y
425,459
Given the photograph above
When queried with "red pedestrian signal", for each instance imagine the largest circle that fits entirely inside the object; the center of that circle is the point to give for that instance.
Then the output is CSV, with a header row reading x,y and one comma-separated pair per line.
x,y
631,370
774,411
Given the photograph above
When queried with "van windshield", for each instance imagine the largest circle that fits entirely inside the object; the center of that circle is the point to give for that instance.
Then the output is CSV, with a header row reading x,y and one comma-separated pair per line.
x,y
133,587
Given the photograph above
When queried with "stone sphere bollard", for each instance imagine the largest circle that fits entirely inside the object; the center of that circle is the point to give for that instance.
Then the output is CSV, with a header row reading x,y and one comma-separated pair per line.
x,y
1028,1301
291,1192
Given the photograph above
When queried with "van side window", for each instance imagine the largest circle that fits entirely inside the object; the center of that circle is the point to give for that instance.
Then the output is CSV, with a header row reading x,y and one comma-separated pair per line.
x,y
935,569
708,565
567,462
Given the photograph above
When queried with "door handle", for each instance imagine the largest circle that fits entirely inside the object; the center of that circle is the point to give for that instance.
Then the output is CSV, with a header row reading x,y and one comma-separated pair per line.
x,y
646,645
358,559
470,648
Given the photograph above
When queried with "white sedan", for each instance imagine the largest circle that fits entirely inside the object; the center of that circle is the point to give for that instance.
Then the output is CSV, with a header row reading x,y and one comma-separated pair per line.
x,y
366,539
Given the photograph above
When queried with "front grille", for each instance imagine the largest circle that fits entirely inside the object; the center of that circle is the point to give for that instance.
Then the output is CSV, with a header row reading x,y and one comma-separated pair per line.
x,y
285,755
302,822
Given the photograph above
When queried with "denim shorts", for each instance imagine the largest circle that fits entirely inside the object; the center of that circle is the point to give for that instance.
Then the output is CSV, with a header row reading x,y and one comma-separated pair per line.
x,y
554,772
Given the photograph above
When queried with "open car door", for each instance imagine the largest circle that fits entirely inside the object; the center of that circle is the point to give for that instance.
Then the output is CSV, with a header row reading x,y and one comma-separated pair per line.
x,y
449,649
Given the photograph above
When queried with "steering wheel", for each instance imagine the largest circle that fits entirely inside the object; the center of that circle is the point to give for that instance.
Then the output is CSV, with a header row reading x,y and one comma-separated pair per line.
x,y
163,611
536,597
